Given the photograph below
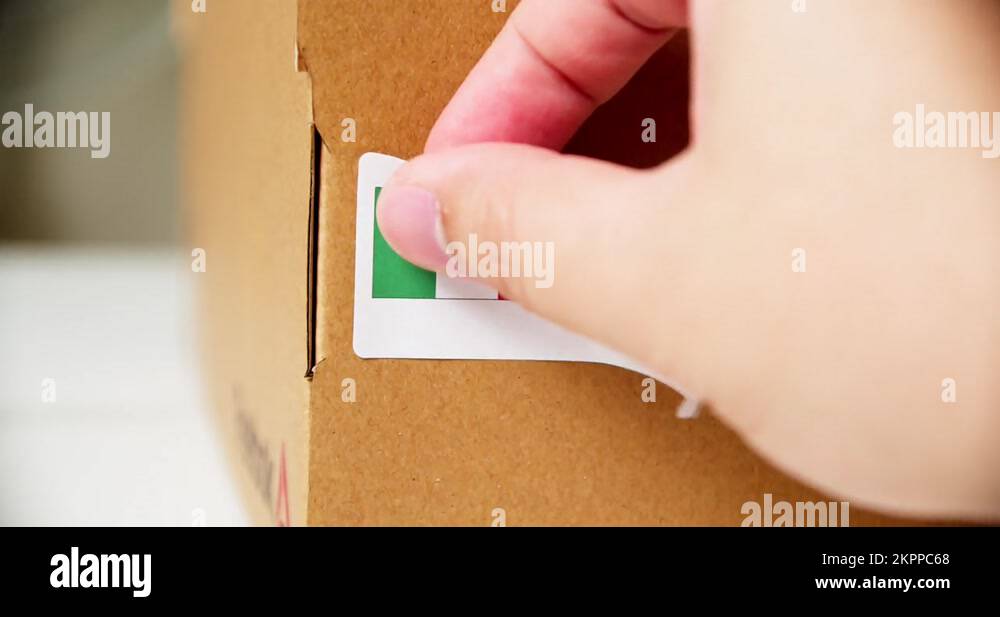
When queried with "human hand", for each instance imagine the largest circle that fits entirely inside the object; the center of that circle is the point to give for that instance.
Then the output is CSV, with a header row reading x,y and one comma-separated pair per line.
x,y
839,373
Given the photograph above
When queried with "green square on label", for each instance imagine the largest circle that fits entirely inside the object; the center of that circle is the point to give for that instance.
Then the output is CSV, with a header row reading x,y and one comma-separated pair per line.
x,y
393,276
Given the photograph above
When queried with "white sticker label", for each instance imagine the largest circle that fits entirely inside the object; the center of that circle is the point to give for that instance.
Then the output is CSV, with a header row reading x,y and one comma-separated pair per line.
x,y
401,311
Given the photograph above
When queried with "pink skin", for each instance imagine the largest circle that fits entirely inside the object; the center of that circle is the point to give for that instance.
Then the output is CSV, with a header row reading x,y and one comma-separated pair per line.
x,y
408,217
538,82
551,66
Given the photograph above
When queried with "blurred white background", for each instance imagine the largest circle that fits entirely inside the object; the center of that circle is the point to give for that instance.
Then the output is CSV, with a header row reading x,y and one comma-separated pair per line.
x,y
95,303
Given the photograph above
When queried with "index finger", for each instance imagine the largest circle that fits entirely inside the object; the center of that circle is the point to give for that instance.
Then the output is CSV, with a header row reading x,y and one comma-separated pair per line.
x,y
553,63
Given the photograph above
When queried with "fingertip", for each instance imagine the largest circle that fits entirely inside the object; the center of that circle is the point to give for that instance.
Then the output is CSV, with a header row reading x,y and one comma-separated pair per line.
x,y
409,218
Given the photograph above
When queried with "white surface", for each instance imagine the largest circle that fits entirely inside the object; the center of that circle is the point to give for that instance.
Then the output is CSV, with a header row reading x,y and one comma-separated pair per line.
x,y
128,439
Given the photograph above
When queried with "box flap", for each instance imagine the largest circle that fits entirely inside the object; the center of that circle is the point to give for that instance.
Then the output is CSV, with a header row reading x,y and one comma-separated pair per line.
x,y
247,139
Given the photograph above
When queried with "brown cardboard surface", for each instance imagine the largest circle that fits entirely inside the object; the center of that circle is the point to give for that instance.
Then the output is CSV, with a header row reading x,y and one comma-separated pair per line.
x,y
427,442
431,442
247,140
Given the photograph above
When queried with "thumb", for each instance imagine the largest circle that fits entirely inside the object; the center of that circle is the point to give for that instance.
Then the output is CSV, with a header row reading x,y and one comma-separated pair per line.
x,y
614,235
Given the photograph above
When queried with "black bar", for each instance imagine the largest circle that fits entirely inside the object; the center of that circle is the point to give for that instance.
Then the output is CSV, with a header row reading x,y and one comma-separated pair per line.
x,y
705,565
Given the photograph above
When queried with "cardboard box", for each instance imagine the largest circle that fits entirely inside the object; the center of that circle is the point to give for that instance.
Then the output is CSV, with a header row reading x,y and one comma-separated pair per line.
x,y
269,183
